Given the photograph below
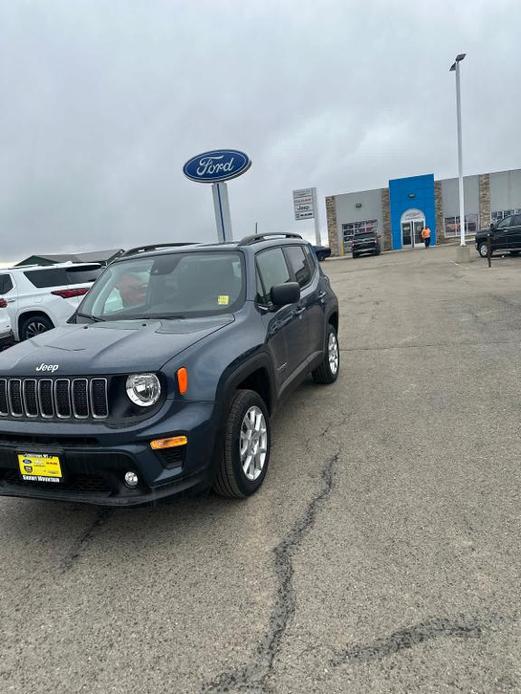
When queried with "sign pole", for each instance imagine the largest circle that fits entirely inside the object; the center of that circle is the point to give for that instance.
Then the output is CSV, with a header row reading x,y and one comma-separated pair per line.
x,y
315,218
221,208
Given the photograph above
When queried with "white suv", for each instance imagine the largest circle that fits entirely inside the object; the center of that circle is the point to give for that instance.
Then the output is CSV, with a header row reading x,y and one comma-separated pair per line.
x,y
38,298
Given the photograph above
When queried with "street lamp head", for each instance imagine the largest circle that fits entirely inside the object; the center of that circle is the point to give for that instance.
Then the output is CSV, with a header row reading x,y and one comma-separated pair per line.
x,y
460,57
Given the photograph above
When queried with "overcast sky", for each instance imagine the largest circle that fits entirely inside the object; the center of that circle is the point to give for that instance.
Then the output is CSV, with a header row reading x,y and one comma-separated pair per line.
x,y
103,101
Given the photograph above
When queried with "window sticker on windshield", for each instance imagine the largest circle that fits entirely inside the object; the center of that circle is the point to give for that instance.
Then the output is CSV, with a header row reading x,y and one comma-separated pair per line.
x,y
223,299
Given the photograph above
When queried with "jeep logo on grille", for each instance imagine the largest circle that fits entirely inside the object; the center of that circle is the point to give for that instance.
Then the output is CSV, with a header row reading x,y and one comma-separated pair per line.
x,y
47,367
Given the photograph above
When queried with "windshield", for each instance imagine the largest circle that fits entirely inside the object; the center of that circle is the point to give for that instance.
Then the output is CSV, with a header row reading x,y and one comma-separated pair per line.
x,y
364,235
177,285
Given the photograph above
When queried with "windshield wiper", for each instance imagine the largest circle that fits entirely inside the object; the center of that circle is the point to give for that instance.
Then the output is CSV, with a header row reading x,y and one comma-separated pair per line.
x,y
94,319
160,316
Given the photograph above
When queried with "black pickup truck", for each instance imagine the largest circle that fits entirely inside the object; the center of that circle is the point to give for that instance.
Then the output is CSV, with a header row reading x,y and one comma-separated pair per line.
x,y
166,377
365,242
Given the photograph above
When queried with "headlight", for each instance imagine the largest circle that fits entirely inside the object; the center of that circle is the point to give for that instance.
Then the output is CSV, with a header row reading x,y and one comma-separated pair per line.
x,y
143,389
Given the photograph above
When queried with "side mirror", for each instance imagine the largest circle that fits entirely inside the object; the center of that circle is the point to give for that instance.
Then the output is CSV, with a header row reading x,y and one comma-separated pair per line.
x,y
492,226
284,294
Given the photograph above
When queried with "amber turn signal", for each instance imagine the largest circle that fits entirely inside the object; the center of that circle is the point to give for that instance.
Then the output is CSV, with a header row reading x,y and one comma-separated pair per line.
x,y
158,444
182,380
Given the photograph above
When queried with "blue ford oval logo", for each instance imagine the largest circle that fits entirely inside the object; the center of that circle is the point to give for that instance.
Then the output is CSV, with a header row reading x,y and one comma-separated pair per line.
x,y
218,165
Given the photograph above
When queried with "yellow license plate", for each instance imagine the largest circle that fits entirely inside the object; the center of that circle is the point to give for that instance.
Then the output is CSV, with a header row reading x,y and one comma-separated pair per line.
x,y
40,467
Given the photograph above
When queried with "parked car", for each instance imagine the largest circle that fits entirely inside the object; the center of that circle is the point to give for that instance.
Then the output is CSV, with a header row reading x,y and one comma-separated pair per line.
x,y
38,298
365,242
504,236
172,385
322,252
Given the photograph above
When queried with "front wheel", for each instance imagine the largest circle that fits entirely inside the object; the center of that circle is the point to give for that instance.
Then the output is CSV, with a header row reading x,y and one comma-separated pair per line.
x,y
327,372
483,249
245,455
34,325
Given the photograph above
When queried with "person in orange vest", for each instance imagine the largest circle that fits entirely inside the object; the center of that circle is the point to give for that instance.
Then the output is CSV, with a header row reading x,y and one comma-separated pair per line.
x,y
426,236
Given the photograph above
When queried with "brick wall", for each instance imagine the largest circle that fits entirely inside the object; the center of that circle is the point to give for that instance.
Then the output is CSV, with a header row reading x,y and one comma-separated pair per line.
x,y
332,228
386,216
438,205
484,201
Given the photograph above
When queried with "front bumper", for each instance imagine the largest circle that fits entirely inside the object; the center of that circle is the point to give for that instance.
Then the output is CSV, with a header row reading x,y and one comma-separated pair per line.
x,y
94,458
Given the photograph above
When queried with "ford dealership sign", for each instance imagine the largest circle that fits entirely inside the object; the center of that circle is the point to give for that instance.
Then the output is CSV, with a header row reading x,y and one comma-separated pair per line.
x,y
218,165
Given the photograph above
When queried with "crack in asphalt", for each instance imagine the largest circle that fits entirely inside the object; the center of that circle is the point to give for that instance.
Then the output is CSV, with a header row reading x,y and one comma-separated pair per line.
x,y
409,637
102,515
252,677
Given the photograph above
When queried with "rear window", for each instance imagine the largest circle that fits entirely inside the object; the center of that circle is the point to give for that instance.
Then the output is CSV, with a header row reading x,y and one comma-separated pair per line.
x,y
59,277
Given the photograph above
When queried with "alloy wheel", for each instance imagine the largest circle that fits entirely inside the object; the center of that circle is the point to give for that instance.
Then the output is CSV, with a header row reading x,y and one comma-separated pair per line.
x,y
253,443
332,350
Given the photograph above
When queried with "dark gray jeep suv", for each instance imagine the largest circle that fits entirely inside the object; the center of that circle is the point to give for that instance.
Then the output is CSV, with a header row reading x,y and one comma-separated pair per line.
x,y
168,374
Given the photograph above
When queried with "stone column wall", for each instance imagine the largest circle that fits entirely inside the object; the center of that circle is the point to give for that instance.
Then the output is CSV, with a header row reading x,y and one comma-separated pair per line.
x,y
332,228
438,206
484,201
386,217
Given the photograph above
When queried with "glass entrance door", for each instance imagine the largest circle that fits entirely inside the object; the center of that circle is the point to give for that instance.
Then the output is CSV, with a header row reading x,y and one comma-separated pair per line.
x,y
411,233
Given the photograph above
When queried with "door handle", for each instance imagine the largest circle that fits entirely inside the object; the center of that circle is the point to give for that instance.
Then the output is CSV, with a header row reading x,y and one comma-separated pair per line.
x,y
299,310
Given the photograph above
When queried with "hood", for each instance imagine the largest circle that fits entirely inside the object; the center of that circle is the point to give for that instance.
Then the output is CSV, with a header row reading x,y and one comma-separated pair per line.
x,y
107,348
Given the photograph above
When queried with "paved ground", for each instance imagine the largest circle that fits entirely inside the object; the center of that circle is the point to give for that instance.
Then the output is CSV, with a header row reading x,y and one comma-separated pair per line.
x,y
382,554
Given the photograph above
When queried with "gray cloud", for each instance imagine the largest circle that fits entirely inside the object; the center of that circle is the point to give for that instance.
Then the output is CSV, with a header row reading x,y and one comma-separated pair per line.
x,y
103,102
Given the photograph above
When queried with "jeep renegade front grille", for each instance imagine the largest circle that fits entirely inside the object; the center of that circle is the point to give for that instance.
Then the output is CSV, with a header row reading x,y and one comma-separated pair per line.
x,y
46,398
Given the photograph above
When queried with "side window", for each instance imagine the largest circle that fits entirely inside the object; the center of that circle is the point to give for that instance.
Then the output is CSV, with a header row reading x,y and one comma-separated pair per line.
x,y
273,270
504,223
56,277
6,284
516,220
299,263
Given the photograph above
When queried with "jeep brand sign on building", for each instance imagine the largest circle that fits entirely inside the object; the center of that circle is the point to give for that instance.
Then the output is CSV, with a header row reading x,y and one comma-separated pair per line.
x,y
216,166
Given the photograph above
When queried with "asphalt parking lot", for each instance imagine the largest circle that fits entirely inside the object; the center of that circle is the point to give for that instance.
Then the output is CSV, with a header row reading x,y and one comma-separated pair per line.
x,y
381,555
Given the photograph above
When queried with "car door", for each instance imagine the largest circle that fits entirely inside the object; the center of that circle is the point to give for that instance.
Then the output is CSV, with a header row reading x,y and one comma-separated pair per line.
x,y
500,235
281,323
309,337
514,232
7,301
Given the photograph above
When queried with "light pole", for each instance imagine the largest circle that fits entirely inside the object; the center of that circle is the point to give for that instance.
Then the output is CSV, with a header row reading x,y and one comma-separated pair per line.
x,y
455,67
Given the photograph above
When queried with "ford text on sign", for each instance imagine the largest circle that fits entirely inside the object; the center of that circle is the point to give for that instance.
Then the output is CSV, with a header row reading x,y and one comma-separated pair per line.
x,y
217,165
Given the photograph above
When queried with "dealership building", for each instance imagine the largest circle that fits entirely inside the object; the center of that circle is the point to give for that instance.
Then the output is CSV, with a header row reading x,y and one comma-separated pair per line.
x,y
399,212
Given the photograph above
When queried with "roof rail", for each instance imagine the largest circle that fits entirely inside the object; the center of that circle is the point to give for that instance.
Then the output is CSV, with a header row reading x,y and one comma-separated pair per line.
x,y
153,247
257,238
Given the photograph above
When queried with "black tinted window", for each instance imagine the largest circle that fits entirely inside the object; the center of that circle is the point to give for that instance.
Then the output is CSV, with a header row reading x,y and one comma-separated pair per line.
x,y
273,269
6,284
299,263
83,275
516,220
59,277
504,223
47,278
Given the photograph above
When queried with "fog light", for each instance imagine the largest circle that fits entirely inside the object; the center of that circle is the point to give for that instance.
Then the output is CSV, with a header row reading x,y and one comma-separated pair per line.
x,y
131,479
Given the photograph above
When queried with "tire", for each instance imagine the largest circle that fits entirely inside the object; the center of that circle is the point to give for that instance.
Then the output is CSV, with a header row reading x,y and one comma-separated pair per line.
x,y
483,249
355,255
34,325
328,370
231,479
